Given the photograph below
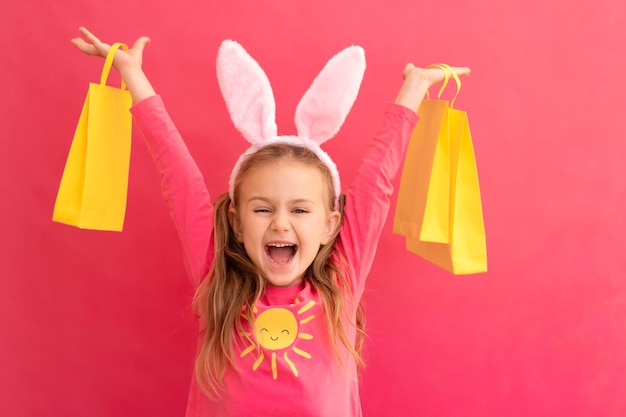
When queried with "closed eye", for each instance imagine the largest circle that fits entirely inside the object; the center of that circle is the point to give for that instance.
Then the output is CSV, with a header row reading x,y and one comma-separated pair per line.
x,y
285,331
299,211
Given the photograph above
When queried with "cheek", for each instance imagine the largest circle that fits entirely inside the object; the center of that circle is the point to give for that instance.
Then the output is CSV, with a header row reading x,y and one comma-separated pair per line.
x,y
252,231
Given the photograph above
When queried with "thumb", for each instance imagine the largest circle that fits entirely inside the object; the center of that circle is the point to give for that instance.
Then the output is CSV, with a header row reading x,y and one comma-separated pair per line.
x,y
407,69
141,43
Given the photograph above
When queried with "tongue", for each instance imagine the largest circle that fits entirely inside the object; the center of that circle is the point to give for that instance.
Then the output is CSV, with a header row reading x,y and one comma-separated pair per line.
x,y
280,255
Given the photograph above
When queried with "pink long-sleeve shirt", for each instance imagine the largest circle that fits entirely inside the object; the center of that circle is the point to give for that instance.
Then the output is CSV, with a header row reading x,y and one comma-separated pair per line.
x,y
296,372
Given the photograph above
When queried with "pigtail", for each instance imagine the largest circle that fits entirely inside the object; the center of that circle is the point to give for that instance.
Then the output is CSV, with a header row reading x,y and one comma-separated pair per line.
x,y
335,289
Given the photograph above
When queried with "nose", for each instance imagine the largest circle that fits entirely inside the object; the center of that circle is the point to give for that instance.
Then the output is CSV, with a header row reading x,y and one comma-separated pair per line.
x,y
280,222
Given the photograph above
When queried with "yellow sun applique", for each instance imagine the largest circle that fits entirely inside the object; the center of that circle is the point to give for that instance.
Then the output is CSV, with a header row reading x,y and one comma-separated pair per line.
x,y
278,330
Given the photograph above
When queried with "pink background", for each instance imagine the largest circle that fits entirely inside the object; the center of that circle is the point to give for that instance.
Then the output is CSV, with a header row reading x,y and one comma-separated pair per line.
x,y
99,323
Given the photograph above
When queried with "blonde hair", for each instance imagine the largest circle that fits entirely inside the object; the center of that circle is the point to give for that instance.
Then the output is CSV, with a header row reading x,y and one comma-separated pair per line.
x,y
234,284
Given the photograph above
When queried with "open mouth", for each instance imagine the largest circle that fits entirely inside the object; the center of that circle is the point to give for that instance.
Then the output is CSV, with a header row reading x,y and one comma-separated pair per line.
x,y
281,253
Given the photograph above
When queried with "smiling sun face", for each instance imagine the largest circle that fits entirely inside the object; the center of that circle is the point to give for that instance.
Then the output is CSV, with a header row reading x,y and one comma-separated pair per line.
x,y
278,329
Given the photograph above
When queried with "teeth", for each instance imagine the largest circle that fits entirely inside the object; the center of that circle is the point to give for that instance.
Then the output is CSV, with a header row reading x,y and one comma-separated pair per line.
x,y
281,245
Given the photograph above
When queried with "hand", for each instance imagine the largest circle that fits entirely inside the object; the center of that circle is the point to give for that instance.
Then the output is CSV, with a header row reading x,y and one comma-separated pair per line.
x,y
431,75
123,61
127,63
417,81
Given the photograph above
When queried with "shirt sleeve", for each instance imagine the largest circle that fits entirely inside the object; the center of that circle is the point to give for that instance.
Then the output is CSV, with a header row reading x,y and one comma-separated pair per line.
x,y
182,185
368,198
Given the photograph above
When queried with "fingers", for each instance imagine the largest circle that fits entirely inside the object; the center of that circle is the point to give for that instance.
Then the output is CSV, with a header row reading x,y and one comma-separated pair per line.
x,y
93,45
84,46
462,71
433,74
89,36
439,74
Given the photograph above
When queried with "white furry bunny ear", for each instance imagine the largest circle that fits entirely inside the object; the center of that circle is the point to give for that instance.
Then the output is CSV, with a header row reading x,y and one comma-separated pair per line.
x,y
247,93
326,104
320,113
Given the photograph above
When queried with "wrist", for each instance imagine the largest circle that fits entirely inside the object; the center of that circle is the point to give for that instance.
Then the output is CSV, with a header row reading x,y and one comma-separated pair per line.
x,y
137,83
129,71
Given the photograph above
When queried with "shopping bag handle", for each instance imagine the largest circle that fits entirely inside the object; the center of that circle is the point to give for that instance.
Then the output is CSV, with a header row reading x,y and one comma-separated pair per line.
x,y
109,61
447,72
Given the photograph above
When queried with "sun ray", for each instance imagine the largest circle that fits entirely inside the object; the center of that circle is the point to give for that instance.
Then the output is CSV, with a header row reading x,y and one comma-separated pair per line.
x,y
306,307
258,362
305,336
274,370
247,350
291,364
301,352
306,320
245,334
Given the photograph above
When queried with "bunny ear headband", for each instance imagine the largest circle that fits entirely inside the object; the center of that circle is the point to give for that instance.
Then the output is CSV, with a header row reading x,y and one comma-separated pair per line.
x,y
319,115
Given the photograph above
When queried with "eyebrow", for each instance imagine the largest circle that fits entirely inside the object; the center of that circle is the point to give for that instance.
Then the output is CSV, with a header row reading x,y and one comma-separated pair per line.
x,y
295,201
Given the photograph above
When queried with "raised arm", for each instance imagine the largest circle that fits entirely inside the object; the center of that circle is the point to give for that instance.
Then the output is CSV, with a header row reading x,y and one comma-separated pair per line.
x,y
368,198
127,63
182,184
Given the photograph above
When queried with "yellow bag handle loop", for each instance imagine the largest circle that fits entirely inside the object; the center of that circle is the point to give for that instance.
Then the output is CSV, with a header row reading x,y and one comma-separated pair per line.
x,y
109,61
446,78
448,71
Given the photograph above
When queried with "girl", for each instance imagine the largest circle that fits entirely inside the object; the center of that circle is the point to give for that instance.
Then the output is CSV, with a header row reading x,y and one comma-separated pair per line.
x,y
280,261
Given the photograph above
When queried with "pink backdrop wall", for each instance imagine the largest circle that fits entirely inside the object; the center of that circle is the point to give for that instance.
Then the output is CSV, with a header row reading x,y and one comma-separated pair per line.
x,y
99,324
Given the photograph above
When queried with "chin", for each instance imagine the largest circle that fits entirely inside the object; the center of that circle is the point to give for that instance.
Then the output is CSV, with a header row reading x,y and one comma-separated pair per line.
x,y
284,282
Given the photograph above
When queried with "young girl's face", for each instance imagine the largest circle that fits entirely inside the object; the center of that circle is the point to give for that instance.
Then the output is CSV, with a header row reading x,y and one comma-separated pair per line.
x,y
282,218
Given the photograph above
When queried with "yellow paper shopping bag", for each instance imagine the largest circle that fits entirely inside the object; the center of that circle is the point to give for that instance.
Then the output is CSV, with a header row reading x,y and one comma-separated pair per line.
x,y
94,185
423,195
466,249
